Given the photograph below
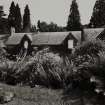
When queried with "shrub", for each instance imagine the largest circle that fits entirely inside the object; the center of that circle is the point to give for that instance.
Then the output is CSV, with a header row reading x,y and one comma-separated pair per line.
x,y
43,68
88,51
46,69
88,73
91,48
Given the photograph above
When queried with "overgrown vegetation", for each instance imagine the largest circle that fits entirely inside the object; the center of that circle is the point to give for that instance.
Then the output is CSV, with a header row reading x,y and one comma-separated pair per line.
x,y
87,77
43,68
81,74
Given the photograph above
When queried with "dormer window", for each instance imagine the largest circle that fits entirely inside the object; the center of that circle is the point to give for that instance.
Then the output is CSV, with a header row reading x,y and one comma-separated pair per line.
x,y
70,44
26,44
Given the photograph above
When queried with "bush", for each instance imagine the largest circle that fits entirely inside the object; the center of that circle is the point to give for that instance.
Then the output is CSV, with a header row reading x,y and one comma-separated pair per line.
x,y
43,68
87,52
46,69
88,73
91,48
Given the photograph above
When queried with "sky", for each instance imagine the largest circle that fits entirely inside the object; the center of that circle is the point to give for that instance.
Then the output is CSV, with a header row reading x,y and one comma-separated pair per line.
x,y
56,11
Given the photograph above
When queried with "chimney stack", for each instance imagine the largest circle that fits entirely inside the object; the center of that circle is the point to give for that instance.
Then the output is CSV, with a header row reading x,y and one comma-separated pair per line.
x,y
12,31
83,36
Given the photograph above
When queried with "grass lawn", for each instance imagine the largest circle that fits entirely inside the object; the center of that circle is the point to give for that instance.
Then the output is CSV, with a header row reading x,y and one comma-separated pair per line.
x,y
38,96
33,96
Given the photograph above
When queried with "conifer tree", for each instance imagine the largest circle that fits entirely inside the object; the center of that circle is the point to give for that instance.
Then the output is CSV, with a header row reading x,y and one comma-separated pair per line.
x,y
26,19
38,25
18,19
11,16
74,23
2,12
33,28
98,15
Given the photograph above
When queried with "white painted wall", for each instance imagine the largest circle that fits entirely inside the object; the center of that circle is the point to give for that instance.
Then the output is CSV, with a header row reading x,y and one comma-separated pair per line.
x,y
70,44
26,45
12,30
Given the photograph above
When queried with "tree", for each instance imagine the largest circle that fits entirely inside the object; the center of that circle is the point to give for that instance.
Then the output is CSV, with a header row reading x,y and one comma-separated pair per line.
x,y
52,27
26,19
74,23
42,26
98,15
38,25
3,22
1,12
11,16
18,19
33,28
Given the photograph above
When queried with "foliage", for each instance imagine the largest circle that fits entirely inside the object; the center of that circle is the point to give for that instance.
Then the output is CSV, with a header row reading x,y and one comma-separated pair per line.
x,y
43,68
82,73
87,52
74,23
33,28
14,17
3,22
91,48
1,12
18,19
11,16
88,72
52,27
98,16
26,19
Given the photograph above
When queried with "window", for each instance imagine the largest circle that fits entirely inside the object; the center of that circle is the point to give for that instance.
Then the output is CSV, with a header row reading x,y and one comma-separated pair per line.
x,y
25,44
70,44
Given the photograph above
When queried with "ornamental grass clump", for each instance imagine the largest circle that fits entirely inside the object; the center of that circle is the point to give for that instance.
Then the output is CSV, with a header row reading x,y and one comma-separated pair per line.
x,y
48,70
43,68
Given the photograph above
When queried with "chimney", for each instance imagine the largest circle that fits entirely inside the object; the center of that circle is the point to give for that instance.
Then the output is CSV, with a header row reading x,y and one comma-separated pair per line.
x,y
83,36
12,31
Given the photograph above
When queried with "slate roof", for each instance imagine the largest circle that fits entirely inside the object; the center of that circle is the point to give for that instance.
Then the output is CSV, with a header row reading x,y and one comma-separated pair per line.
x,y
45,38
93,33
16,38
49,38
2,44
53,38
77,35
3,38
